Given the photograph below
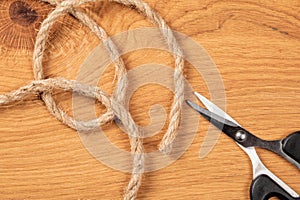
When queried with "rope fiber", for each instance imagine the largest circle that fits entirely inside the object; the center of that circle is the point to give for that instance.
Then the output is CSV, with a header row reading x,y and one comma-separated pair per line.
x,y
114,104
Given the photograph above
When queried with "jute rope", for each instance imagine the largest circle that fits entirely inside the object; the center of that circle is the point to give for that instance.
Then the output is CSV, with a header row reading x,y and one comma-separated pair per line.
x,y
114,105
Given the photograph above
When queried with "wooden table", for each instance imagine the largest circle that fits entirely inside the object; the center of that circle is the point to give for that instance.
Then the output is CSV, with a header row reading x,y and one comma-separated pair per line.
x,y
256,46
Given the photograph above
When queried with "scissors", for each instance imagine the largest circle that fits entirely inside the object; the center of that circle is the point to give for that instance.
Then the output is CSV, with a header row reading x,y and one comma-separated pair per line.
x,y
265,184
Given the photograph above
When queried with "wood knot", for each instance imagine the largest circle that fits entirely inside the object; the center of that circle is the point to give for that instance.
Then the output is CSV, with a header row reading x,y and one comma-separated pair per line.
x,y
20,21
21,13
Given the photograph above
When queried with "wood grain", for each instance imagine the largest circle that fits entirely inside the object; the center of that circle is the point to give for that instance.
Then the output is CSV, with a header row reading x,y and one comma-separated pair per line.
x,y
256,46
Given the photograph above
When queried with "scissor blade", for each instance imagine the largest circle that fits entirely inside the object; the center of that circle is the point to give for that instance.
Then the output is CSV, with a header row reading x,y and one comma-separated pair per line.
x,y
214,108
218,121
233,130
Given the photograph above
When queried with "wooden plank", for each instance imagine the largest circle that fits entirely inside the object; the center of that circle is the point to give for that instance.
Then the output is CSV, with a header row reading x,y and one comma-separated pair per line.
x,y
256,47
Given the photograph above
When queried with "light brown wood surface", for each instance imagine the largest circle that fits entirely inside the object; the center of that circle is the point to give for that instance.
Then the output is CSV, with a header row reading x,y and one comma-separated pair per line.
x,y
256,46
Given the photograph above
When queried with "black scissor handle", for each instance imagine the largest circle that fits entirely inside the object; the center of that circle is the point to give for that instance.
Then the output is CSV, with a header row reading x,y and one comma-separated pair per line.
x,y
263,188
288,148
291,146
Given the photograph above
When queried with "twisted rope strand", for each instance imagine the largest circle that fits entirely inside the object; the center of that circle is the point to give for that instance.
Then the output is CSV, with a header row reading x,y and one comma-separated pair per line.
x,y
120,71
114,105
165,145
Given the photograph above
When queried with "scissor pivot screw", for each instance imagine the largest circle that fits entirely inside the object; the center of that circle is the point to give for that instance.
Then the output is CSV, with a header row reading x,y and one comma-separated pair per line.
x,y
240,136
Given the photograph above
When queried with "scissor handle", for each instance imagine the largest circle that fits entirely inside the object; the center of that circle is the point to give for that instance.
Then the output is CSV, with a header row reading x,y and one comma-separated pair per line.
x,y
263,188
291,146
288,148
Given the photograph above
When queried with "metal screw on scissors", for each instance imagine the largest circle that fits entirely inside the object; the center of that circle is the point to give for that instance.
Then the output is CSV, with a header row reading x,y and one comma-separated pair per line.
x,y
265,184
